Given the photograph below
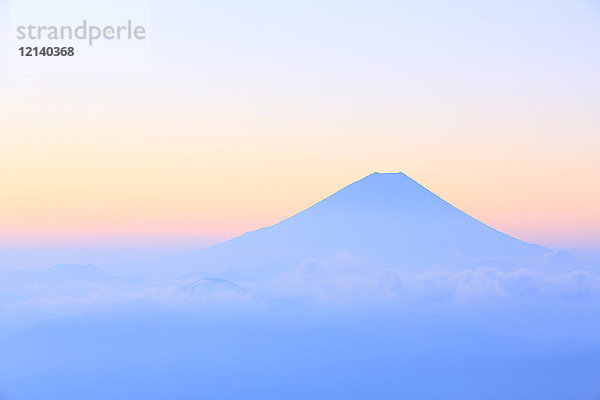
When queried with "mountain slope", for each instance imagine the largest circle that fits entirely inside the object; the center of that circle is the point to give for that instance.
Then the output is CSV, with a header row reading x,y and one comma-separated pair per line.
x,y
387,219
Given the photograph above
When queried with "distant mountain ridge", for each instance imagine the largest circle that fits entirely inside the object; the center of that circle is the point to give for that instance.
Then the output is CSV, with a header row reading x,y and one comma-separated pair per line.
x,y
384,218
72,272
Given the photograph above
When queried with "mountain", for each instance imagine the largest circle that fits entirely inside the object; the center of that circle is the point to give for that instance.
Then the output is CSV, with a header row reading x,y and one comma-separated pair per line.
x,y
72,272
211,285
384,218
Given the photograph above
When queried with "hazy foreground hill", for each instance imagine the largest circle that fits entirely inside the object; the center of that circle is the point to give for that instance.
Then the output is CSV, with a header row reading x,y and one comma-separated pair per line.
x,y
388,219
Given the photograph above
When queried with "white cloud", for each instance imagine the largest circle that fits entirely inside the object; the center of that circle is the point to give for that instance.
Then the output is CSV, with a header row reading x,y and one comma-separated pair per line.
x,y
345,280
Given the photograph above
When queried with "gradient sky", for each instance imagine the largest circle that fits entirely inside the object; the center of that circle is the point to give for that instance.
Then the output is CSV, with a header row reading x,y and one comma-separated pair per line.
x,y
252,112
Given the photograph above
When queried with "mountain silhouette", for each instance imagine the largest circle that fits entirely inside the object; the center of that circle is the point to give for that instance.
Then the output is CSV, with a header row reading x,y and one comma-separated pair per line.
x,y
385,218
72,272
